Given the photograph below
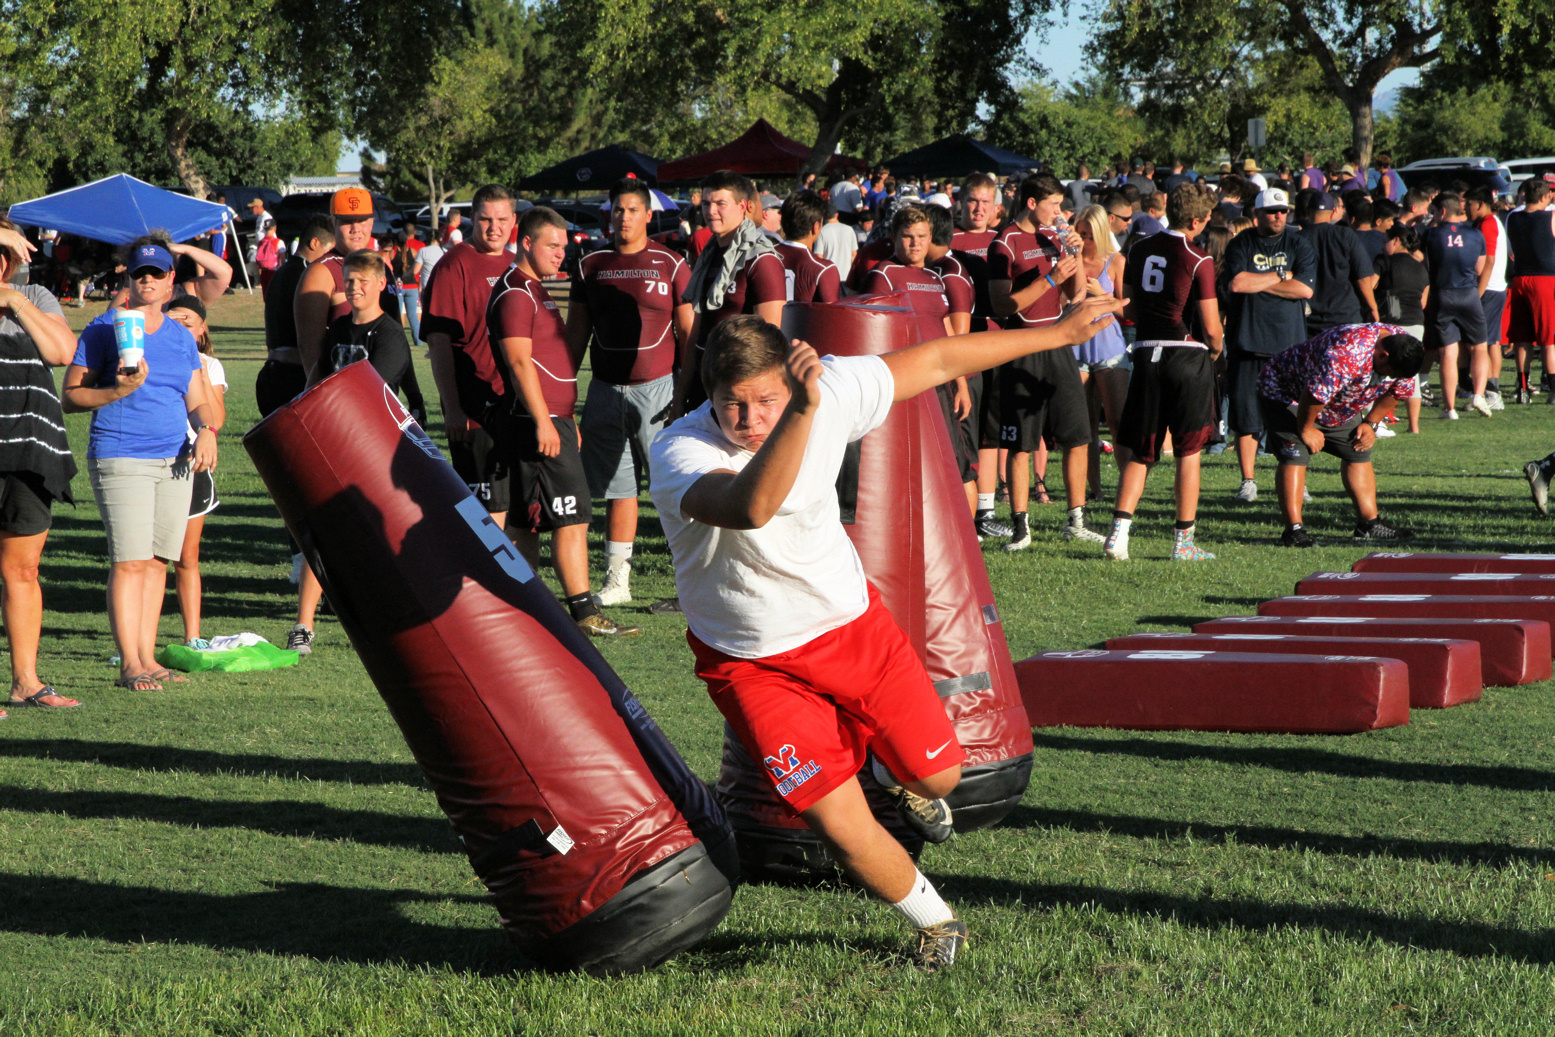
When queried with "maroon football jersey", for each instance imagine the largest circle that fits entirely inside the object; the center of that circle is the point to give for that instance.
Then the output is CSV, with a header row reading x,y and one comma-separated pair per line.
x,y
1165,274
925,290
810,278
976,242
867,258
522,308
762,279
959,289
455,300
631,299
1021,257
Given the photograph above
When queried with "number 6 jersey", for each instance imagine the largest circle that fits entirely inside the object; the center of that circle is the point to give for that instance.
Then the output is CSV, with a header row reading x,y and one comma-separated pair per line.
x,y
1164,275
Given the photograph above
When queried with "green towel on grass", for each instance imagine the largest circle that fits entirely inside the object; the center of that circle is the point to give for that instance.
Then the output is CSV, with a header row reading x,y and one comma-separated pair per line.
x,y
262,656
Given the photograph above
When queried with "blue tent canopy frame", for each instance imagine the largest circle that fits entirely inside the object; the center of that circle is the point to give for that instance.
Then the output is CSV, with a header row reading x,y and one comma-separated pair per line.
x,y
959,155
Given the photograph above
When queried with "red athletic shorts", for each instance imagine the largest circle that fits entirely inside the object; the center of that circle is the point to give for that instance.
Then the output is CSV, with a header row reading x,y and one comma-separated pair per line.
x,y
1531,303
812,714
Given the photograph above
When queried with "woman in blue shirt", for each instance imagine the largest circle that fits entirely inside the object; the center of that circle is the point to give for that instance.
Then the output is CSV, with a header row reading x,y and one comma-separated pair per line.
x,y
139,457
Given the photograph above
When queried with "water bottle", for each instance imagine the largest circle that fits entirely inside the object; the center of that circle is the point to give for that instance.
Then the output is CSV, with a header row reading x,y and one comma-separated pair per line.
x,y
1061,225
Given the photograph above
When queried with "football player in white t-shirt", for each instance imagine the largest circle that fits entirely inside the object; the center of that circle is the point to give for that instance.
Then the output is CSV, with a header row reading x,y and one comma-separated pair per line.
x,y
797,651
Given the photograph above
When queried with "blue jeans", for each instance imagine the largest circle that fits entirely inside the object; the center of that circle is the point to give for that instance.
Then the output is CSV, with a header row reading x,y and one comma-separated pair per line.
x,y
410,302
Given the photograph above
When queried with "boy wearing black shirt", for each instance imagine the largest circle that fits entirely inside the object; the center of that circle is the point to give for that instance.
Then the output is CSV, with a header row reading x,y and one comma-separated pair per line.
x,y
366,333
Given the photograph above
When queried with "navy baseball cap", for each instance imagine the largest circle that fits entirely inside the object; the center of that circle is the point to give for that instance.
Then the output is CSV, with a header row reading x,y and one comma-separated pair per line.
x,y
154,256
1324,202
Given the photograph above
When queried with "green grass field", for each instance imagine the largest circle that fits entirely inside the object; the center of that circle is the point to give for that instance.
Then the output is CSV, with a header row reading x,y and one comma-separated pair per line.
x,y
256,854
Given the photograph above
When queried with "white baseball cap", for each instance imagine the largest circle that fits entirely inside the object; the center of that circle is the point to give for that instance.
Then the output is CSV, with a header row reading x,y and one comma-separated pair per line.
x,y
1271,198
940,198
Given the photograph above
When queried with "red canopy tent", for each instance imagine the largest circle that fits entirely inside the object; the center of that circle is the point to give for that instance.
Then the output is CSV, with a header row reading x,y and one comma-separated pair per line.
x,y
759,151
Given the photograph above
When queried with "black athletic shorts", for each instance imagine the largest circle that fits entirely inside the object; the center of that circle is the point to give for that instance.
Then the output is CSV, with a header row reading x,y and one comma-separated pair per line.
x,y
1452,316
1285,438
203,500
1171,388
277,384
548,492
1494,305
1242,371
983,424
958,442
26,508
1040,396
484,470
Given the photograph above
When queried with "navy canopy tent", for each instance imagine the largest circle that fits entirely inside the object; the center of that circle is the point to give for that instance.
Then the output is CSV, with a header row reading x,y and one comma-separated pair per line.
x,y
594,171
959,155
118,209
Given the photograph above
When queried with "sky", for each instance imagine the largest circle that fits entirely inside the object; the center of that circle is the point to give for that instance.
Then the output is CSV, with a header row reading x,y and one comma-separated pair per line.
x,y
1062,55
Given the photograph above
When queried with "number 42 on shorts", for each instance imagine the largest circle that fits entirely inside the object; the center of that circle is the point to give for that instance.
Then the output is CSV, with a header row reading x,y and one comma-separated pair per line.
x,y
564,505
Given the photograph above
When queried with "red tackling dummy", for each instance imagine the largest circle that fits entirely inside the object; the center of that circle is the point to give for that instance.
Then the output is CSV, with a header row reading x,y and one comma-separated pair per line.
x,y
1214,691
1423,562
1517,585
1414,606
1442,672
600,849
1511,651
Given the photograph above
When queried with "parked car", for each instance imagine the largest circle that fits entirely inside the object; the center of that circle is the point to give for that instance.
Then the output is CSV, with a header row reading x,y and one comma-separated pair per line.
x,y
1523,168
1444,173
294,211
238,196
664,226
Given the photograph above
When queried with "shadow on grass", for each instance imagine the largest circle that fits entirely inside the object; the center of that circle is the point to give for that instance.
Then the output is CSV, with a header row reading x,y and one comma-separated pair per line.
x,y
200,761
330,923
286,818
1413,932
1176,621
1310,761
1496,854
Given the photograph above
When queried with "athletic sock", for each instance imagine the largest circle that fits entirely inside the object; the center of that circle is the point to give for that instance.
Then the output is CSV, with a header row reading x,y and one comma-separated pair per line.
x,y
1122,515
985,502
582,606
1182,524
616,554
923,907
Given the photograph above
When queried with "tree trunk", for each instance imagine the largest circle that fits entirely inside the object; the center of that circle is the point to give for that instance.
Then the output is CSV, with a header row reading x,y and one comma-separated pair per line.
x,y
828,135
1363,129
434,197
178,153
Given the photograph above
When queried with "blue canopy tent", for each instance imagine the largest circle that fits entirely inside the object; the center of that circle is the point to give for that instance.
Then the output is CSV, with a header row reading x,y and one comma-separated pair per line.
x,y
118,209
959,155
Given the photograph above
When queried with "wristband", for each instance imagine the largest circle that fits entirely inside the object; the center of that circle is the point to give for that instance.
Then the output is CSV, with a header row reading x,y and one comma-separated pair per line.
x,y
1051,283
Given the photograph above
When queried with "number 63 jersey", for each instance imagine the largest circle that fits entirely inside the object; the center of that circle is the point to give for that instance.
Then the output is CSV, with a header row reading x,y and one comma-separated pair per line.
x,y
631,299
1164,275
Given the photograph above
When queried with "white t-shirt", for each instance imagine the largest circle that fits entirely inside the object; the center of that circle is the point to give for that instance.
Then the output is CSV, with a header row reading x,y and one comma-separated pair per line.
x,y
752,593
430,253
846,196
837,244
218,376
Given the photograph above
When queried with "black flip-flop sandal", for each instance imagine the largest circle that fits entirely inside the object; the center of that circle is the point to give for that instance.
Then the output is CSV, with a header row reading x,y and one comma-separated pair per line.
x,y
42,693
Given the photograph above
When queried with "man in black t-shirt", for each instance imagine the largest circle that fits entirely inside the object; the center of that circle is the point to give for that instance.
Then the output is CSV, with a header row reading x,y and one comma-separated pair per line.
x,y
282,376
1455,255
1342,293
1268,277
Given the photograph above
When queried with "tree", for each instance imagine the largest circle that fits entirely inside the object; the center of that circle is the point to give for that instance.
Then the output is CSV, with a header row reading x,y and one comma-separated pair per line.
x,y
1177,46
842,61
1090,123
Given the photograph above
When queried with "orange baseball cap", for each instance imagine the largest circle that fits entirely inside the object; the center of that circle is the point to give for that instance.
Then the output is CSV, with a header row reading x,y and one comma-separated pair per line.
x,y
351,201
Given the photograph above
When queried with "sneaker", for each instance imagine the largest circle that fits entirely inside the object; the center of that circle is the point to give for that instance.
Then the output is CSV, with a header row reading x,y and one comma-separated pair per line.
x,y
1428,396
1463,394
1448,415
1306,495
938,945
1020,541
1495,401
1524,397
1297,538
1538,485
1248,491
300,640
1379,531
1185,550
667,607
1385,432
1480,406
1083,533
199,644
989,527
1116,548
930,818
601,625
615,591
296,568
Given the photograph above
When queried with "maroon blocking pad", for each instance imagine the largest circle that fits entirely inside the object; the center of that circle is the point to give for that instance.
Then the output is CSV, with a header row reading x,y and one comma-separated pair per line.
x,y
1414,606
1511,651
1164,690
1441,672
558,784
1517,585
1425,562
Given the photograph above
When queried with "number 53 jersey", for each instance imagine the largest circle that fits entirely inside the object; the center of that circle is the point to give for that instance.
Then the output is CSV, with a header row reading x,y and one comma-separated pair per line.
x,y
631,299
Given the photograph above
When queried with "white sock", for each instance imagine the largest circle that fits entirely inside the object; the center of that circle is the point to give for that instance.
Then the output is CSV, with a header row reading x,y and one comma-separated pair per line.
x,y
985,502
617,553
883,775
924,907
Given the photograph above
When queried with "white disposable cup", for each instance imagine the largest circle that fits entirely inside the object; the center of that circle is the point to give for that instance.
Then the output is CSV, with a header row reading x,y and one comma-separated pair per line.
x,y
129,331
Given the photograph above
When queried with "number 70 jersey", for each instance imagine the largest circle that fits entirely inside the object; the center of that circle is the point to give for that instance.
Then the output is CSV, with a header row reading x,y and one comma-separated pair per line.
x,y
631,299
